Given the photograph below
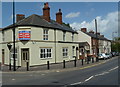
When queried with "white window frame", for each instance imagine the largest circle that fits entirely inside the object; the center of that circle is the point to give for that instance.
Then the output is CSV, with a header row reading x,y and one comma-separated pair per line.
x,y
45,34
45,53
65,51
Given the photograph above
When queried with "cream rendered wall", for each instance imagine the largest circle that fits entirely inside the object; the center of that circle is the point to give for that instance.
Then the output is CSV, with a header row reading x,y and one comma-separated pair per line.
x,y
82,37
36,42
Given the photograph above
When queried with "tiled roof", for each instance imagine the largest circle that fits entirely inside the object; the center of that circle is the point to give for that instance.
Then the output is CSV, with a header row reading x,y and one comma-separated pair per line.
x,y
38,21
98,36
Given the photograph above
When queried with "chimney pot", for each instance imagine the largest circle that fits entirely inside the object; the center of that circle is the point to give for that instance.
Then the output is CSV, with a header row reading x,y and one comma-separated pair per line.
x,y
84,29
92,32
98,33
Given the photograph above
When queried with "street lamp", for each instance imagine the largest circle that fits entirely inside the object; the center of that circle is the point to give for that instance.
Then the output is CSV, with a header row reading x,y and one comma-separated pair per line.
x,y
97,39
9,47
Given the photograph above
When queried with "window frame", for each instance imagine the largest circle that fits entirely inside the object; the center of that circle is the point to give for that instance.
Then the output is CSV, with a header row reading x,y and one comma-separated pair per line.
x,y
45,34
65,52
44,54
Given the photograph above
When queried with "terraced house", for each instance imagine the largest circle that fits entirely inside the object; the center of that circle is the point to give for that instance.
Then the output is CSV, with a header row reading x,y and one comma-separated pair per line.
x,y
98,44
40,39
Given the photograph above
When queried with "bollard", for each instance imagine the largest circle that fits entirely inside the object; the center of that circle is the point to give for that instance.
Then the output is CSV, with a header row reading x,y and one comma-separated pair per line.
x,y
97,59
10,66
92,60
82,61
75,63
27,66
0,65
87,60
48,67
63,63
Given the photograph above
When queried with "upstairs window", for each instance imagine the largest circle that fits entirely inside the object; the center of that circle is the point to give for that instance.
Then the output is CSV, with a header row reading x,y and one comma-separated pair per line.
x,y
64,36
45,34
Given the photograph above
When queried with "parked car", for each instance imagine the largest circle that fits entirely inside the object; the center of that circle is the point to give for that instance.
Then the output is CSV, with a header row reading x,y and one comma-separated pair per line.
x,y
113,54
109,55
117,53
103,56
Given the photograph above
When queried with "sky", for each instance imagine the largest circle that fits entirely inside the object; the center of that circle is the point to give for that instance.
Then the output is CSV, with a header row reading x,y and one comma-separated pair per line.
x,y
77,14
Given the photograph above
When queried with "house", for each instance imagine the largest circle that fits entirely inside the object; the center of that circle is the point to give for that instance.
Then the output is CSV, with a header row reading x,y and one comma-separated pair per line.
x,y
98,44
40,39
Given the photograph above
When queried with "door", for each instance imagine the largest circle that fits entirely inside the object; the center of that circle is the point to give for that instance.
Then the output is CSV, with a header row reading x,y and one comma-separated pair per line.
x,y
24,57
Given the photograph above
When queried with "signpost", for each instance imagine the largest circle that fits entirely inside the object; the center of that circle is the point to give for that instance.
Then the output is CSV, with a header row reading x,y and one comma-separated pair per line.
x,y
9,47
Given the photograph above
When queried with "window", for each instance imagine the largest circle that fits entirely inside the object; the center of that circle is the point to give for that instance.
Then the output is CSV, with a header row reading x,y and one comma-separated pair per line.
x,y
12,52
45,52
64,36
73,50
72,36
45,34
65,52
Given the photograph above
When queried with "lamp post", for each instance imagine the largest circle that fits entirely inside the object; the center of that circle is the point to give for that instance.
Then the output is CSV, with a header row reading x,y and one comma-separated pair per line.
x,y
14,61
97,49
9,47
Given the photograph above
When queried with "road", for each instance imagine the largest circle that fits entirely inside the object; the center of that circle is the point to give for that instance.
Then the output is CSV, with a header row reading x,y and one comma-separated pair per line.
x,y
103,74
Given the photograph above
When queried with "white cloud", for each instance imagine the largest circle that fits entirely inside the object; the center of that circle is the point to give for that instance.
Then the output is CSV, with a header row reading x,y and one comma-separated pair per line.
x,y
106,25
72,15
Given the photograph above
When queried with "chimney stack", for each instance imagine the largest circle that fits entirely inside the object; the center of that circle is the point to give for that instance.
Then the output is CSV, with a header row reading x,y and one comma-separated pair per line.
x,y
46,12
59,17
19,17
92,32
102,35
84,29
98,33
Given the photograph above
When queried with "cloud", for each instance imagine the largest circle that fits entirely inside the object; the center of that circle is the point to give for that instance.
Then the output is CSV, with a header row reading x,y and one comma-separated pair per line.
x,y
106,25
72,15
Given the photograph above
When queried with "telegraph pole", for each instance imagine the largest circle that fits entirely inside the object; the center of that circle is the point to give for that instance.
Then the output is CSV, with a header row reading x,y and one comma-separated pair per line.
x,y
14,60
96,41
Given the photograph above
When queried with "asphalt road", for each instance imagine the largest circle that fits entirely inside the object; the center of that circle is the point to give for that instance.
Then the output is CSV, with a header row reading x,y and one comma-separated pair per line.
x,y
103,74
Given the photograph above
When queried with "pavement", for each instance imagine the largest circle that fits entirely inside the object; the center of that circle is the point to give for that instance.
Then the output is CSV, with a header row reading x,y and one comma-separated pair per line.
x,y
69,65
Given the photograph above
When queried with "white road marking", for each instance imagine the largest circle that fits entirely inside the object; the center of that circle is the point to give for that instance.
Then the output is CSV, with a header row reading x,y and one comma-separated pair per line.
x,y
57,71
13,79
113,68
89,78
42,74
76,83
101,74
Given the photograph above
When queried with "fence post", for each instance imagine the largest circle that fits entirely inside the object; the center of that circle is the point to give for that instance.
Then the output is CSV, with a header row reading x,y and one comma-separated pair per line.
x,y
63,63
48,67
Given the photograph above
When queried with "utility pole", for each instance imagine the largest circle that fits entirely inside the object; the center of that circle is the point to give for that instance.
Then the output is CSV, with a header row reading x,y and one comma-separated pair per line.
x,y
14,60
97,50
